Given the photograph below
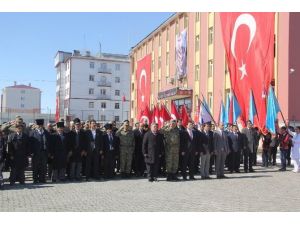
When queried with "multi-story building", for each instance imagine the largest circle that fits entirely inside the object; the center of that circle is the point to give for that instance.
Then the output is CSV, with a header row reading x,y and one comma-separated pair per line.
x,y
92,87
20,99
207,71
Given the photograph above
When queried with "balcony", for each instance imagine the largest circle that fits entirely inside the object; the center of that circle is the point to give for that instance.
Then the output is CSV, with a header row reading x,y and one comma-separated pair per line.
x,y
103,97
104,84
104,70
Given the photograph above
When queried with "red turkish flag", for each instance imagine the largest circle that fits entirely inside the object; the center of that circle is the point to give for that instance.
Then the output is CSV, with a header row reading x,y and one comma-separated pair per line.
x,y
174,113
249,45
57,110
184,116
145,116
155,114
143,79
164,115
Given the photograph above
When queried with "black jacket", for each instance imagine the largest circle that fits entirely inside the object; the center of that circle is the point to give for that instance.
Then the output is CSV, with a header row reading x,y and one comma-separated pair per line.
x,y
207,142
97,143
18,148
2,149
77,150
36,144
107,145
153,146
59,150
138,138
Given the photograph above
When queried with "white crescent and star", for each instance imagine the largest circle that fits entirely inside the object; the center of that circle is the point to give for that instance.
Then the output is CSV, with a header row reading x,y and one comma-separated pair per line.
x,y
143,74
248,20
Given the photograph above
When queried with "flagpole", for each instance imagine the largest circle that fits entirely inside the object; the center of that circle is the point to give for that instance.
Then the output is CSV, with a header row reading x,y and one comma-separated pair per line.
x,y
207,110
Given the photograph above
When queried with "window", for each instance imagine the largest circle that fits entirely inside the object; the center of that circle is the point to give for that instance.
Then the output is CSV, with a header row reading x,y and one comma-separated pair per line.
x,y
103,105
132,87
210,100
117,67
132,104
159,62
152,44
22,91
117,92
176,28
152,66
197,17
167,58
103,66
103,91
196,72
91,105
210,68
92,78
117,118
210,35
92,65
67,91
186,22
90,117
167,35
117,79
22,98
22,105
197,43
91,91
117,105
159,39
103,118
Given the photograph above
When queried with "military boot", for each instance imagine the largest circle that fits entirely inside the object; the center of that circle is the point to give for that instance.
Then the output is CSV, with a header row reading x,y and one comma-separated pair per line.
x,y
174,177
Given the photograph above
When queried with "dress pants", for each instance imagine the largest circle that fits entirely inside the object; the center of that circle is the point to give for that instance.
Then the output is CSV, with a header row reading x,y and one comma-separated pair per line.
x,y
92,166
220,163
152,170
75,170
248,160
188,160
205,162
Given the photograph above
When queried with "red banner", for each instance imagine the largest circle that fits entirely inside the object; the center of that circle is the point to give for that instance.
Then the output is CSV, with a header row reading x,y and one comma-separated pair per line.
x,y
249,45
143,78
57,110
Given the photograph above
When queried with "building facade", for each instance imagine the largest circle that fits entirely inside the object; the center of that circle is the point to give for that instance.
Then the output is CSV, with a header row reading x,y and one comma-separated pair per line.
x,y
22,100
207,72
92,87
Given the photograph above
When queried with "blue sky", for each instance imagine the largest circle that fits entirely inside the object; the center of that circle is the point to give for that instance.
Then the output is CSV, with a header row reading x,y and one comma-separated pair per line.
x,y
29,41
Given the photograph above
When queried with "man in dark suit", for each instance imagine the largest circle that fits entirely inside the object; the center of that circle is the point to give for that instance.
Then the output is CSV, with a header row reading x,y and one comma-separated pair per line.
x,y
249,133
79,139
59,149
18,149
189,152
94,151
207,150
153,147
111,149
138,157
40,143
236,145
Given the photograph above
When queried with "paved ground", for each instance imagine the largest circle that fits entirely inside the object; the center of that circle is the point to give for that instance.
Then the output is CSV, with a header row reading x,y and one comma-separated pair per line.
x,y
264,190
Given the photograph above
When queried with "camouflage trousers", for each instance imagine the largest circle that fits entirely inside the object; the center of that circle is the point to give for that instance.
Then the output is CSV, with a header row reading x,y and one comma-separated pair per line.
x,y
125,160
172,159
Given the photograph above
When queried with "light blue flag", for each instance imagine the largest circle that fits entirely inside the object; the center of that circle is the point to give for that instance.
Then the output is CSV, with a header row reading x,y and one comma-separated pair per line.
x,y
236,108
227,108
252,108
272,111
222,114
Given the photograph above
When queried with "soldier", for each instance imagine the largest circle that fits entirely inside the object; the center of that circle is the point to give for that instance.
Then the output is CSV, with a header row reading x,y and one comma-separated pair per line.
x,y
127,145
40,141
58,152
172,146
77,150
18,148
94,151
10,127
2,158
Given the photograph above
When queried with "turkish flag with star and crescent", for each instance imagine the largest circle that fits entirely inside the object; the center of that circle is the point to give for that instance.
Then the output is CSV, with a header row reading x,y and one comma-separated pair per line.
x,y
143,79
249,46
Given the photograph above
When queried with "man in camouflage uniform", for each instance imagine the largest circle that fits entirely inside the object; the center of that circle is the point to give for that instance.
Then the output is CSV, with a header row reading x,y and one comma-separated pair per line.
x,y
127,145
10,127
172,145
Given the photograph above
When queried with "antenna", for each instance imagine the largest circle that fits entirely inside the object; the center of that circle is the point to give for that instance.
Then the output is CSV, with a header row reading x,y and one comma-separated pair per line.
x,y
100,49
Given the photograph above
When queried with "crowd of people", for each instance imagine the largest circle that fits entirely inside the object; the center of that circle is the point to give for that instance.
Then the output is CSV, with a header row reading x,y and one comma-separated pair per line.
x,y
77,150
